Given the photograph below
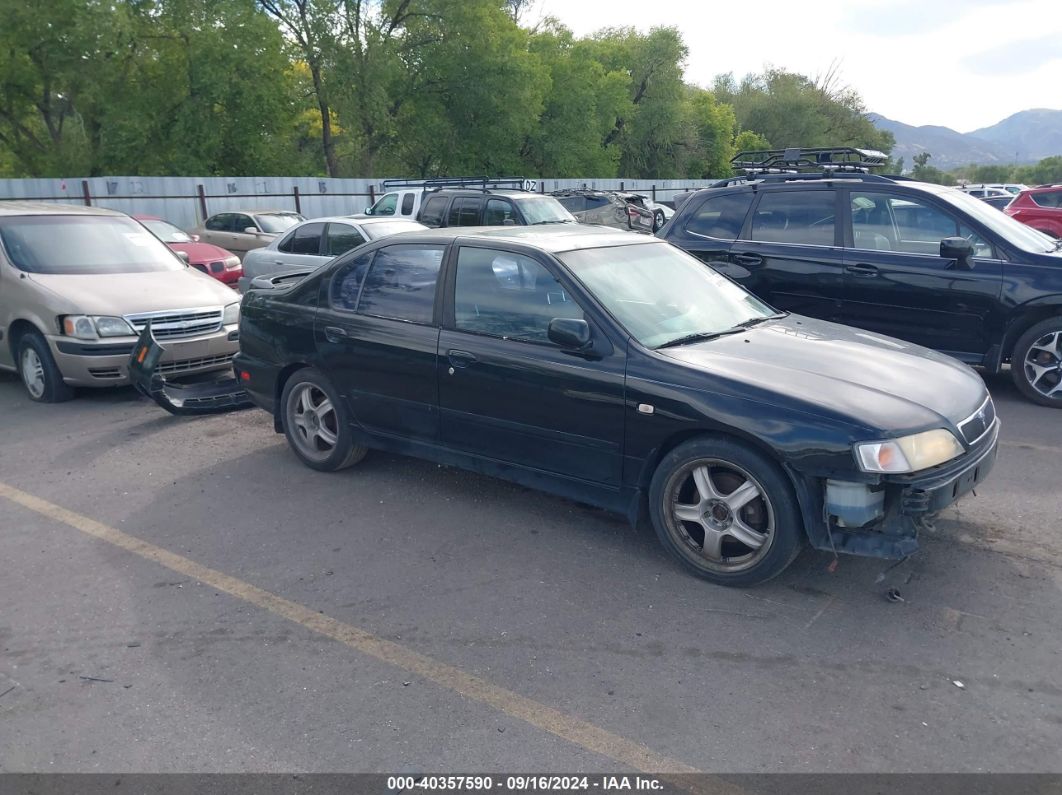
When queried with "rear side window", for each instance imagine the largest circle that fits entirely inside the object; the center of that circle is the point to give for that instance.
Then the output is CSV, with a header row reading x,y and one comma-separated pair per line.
x,y
802,217
573,204
401,283
342,238
346,282
1047,199
407,204
464,212
431,214
720,217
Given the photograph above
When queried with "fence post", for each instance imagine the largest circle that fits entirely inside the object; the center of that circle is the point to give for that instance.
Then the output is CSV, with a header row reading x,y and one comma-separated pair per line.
x,y
372,195
654,192
85,193
202,201
622,183
298,201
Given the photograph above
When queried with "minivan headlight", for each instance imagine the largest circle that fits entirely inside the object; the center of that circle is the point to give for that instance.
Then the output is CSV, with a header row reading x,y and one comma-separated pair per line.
x,y
90,327
231,316
909,453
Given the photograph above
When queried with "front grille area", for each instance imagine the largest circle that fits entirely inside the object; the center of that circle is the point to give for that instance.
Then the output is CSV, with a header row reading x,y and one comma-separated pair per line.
x,y
975,426
179,323
104,372
188,365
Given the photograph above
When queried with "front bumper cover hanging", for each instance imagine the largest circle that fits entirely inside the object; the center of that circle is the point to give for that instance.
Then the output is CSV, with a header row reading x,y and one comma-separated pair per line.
x,y
209,397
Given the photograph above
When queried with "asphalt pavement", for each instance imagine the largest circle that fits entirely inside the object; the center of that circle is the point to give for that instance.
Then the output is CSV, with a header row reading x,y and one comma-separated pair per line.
x,y
183,595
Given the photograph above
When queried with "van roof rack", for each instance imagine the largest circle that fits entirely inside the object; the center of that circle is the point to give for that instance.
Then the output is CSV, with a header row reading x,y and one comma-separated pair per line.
x,y
473,183
796,160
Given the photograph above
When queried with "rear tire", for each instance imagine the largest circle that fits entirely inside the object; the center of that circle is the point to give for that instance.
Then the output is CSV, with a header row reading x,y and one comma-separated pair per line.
x,y
658,220
39,372
726,511
1036,363
316,423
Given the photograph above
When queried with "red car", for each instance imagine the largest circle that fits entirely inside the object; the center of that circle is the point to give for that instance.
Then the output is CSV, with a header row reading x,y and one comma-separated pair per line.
x,y
221,264
1040,208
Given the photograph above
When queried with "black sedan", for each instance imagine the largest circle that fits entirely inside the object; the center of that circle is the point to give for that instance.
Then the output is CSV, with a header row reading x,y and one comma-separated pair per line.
x,y
617,370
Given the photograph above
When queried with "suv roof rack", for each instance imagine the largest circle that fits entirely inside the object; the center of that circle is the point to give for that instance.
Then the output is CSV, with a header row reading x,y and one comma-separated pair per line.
x,y
794,160
474,183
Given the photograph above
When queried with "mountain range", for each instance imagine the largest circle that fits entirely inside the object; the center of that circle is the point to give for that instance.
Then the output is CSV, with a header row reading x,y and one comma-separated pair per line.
x,y
1025,137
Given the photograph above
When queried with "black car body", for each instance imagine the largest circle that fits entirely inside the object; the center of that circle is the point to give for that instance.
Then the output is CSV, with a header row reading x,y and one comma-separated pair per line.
x,y
442,208
919,262
532,355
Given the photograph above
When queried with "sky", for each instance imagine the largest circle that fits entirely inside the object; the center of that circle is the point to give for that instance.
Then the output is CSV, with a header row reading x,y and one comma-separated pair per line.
x,y
963,64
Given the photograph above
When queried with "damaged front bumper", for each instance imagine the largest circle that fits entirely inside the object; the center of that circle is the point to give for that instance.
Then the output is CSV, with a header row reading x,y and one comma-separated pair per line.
x,y
189,398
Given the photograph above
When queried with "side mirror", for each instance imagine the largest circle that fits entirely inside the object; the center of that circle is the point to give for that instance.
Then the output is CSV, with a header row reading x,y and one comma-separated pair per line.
x,y
959,249
250,230
368,210
195,238
183,255
569,333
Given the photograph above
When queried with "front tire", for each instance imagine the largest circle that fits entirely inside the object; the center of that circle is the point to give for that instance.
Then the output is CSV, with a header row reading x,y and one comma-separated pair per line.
x,y
316,423
726,511
39,372
1036,363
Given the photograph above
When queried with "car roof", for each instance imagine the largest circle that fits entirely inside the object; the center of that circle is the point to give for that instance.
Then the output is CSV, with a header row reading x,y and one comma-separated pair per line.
x,y
554,238
258,211
46,208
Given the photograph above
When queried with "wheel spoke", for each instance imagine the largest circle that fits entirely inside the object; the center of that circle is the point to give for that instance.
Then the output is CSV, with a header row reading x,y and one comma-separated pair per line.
x,y
742,496
702,477
713,544
741,531
305,404
326,436
688,513
323,408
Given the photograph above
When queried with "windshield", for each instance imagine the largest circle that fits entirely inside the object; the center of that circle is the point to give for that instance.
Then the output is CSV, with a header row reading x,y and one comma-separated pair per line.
x,y
387,228
543,210
166,232
88,244
661,294
1014,232
275,223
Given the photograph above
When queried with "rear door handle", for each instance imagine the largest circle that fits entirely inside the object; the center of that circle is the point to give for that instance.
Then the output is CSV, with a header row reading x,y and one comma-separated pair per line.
x,y
861,270
748,259
335,333
460,358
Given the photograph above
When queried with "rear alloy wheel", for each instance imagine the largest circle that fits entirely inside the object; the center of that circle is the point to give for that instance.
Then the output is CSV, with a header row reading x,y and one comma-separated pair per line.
x,y
315,423
658,220
40,375
725,511
1036,363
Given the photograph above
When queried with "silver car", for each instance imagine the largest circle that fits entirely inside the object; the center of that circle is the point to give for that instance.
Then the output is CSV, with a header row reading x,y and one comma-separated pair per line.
x,y
312,243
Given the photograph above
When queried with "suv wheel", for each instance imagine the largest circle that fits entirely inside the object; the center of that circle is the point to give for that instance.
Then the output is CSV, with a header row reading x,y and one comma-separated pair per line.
x,y
316,424
40,375
1036,363
726,511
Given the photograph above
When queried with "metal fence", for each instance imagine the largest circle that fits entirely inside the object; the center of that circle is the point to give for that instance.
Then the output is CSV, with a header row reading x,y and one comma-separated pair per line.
x,y
185,201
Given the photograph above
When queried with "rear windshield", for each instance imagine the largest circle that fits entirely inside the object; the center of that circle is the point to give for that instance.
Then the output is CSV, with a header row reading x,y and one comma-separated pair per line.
x,y
275,223
72,244
387,228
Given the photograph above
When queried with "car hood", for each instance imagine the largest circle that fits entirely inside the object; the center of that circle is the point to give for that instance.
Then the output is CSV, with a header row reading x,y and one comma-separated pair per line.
x,y
878,382
199,253
131,293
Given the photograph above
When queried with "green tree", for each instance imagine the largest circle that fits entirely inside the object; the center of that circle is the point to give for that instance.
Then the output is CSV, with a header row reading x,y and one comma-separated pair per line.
x,y
923,172
710,139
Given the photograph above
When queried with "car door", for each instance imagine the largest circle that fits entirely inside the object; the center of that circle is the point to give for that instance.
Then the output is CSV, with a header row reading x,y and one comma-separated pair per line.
x,y
300,250
376,337
433,211
508,394
709,227
896,282
791,248
218,230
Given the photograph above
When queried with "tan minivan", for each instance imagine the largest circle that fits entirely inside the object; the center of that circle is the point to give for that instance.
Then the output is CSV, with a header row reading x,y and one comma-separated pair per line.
x,y
78,285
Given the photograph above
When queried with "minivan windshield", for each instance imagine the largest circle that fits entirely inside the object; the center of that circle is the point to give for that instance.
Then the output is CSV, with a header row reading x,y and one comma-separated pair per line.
x,y
662,295
1014,232
543,210
83,244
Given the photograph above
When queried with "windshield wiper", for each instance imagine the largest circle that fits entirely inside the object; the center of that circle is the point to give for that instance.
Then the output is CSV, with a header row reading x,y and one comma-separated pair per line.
x,y
755,321
700,336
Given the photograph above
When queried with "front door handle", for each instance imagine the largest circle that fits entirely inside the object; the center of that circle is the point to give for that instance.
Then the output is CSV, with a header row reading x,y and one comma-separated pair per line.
x,y
861,270
748,259
460,358
335,333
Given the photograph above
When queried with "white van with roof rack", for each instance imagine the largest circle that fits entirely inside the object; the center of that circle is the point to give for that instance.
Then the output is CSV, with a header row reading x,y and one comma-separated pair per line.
x,y
402,197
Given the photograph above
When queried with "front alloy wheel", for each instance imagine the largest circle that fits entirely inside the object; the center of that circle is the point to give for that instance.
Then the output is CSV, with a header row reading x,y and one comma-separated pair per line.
x,y
1036,365
32,369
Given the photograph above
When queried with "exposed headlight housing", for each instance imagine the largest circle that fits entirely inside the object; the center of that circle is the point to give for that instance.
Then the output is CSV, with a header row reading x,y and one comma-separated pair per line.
x,y
91,327
232,263
908,453
231,315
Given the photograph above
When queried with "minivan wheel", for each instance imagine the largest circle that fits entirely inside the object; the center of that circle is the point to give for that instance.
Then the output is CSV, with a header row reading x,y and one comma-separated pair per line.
x,y
316,424
40,375
1036,363
726,511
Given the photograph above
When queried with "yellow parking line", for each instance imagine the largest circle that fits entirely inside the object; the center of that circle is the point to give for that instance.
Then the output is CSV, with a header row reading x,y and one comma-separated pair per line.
x,y
574,730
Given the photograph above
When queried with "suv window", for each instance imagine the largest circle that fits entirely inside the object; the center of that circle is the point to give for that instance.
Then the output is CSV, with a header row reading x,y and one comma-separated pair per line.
x,y
341,238
431,214
346,282
803,217
386,205
464,212
573,204
508,295
401,283
499,213
721,217
1047,199
885,222
305,240
407,204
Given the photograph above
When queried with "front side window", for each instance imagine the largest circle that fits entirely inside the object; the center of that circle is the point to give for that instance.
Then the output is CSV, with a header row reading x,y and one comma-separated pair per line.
x,y
222,222
508,295
721,217
432,212
800,217
401,283
884,222
243,223
464,212
72,244
342,238
306,240
499,213
386,205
